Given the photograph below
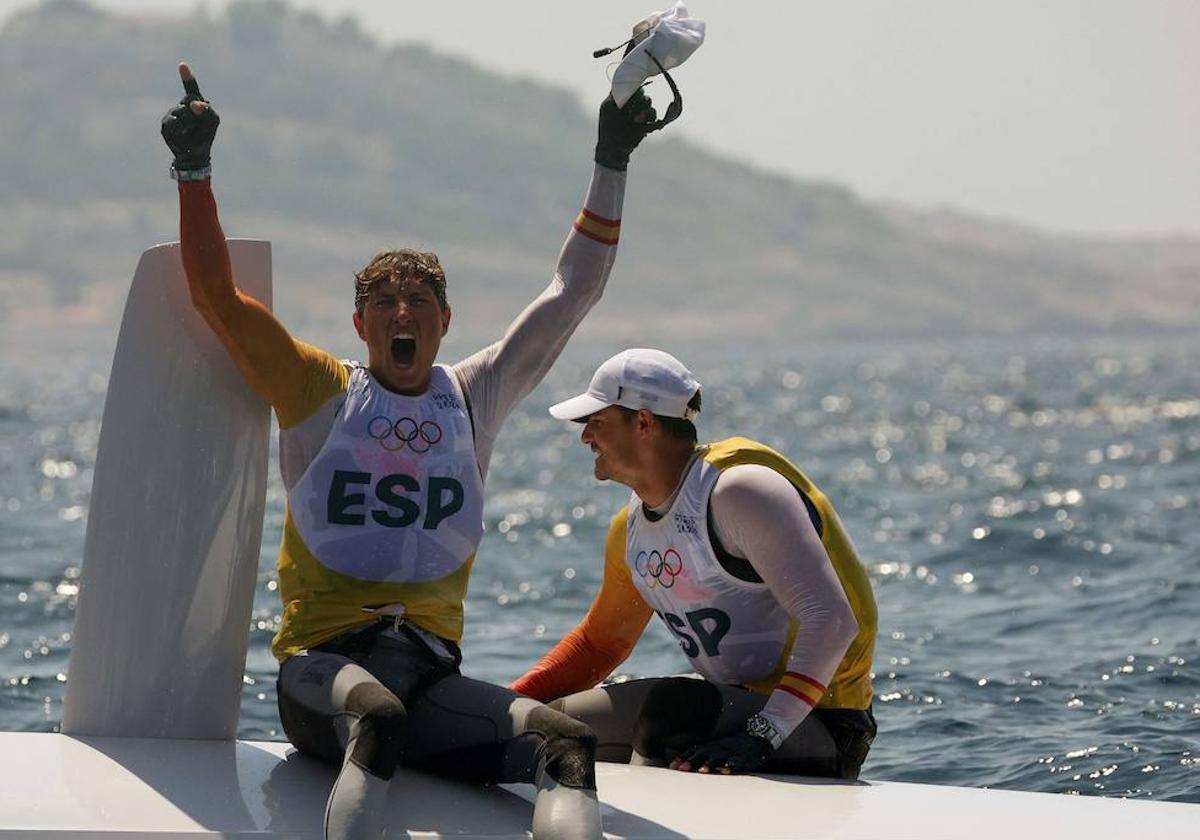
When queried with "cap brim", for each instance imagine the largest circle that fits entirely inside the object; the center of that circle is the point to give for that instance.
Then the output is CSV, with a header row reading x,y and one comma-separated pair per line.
x,y
577,408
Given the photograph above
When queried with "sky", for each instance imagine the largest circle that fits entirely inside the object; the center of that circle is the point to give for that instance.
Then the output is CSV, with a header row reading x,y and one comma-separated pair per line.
x,y
1075,116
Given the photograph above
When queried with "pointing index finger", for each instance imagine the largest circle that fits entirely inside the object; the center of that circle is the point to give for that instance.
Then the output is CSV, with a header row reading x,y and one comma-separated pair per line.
x,y
190,85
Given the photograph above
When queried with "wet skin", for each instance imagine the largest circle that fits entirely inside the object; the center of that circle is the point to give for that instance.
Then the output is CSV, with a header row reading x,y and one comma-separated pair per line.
x,y
395,312
611,435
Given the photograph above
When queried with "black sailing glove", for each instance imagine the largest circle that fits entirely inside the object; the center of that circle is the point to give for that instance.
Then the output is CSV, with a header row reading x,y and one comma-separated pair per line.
x,y
621,129
190,135
739,753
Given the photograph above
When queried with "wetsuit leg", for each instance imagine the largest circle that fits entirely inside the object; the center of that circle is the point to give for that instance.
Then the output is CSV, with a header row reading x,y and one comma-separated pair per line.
x,y
612,712
850,730
651,721
679,713
477,731
808,751
336,710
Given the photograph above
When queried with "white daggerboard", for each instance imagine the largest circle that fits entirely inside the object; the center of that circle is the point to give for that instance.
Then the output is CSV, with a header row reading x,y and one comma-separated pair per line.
x,y
175,519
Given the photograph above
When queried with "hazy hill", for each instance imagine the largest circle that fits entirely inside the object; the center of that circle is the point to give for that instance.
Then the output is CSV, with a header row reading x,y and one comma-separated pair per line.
x,y
335,146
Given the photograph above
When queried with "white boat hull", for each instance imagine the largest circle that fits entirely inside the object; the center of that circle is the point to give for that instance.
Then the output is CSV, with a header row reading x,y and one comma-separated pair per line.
x,y
58,786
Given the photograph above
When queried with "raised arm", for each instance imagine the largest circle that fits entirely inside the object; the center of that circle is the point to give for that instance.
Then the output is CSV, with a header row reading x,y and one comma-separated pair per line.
x,y
605,637
258,343
499,376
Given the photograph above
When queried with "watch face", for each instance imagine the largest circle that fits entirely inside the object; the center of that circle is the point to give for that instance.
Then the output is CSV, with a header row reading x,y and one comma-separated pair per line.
x,y
760,727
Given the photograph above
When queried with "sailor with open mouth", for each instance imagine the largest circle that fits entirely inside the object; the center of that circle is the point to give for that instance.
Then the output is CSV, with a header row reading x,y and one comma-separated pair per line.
x,y
377,549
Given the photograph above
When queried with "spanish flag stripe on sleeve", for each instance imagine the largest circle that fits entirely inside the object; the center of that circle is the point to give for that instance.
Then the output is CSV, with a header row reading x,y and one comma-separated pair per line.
x,y
596,217
804,687
602,230
796,693
806,679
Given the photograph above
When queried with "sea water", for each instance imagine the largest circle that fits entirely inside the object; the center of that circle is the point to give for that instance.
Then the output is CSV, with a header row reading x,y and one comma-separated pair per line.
x,y
1028,511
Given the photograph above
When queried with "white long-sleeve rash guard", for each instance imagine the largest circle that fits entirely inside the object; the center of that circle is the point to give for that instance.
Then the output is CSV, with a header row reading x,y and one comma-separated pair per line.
x,y
758,515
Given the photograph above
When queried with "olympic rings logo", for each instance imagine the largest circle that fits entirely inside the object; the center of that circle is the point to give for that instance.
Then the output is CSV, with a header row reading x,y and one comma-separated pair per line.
x,y
406,431
661,568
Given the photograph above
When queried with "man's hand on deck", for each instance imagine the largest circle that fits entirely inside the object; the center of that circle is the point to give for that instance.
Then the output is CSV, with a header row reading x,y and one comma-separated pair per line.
x,y
190,127
740,753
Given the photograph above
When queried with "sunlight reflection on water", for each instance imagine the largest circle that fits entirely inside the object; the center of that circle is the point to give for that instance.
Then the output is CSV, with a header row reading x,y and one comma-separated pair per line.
x,y
1028,515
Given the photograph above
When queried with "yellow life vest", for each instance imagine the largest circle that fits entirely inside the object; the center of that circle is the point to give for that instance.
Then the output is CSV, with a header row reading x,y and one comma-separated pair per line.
x,y
850,687
386,510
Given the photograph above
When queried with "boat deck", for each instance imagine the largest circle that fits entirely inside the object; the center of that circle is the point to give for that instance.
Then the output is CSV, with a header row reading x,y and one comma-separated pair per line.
x,y
56,786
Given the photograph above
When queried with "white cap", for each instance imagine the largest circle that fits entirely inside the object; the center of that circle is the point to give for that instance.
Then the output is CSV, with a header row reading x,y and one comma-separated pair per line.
x,y
636,379
671,38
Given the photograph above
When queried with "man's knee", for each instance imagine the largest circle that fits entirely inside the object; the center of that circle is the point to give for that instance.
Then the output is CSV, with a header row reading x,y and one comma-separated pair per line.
x,y
676,714
570,756
375,736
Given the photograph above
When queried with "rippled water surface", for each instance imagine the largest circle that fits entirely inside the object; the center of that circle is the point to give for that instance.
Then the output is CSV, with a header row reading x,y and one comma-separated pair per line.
x,y
1028,513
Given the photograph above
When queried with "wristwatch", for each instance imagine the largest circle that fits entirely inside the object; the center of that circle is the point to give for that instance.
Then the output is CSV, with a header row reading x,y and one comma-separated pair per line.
x,y
760,727
200,174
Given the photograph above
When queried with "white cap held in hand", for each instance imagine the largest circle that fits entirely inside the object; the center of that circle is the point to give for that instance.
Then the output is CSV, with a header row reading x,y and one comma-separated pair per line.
x,y
672,40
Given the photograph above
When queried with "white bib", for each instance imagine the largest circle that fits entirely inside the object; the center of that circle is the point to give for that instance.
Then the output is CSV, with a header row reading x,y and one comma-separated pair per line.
x,y
733,631
395,493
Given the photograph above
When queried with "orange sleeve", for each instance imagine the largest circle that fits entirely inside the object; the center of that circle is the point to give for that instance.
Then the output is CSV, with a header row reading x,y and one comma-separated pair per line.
x,y
324,376
272,362
605,637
